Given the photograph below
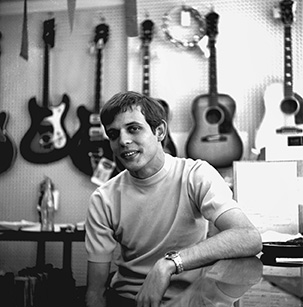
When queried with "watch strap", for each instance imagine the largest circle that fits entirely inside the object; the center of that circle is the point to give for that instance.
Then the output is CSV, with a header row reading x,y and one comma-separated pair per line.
x,y
178,263
176,258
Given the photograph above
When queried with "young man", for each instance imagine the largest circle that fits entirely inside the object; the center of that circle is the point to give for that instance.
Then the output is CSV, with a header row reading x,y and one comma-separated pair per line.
x,y
158,210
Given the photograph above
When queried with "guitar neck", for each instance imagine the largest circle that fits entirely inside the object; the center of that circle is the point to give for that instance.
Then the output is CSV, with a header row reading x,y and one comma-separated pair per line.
x,y
146,69
98,84
213,92
288,74
49,42
45,101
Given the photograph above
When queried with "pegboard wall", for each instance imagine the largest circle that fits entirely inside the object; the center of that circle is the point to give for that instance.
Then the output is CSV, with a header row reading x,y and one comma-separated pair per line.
x,y
249,57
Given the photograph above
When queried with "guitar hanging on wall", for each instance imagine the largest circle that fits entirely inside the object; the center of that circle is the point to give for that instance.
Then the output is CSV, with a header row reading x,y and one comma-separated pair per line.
x,y
146,37
280,135
90,144
8,148
46,140
213,137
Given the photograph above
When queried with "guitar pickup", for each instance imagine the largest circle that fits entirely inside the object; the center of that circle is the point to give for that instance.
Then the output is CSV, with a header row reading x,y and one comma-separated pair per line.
x,y
97,134
295,141
214,138
94,119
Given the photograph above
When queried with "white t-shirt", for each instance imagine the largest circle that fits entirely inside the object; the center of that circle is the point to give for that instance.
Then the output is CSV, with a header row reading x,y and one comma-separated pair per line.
x,y
149,217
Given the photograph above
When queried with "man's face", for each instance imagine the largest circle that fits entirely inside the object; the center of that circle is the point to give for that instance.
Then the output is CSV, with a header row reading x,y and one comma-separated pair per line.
x,y
134,143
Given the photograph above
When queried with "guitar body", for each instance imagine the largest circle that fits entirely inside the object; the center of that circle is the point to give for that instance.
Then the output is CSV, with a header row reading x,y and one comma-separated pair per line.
x,y
213,137
8,147
167,143
46,140
279,132
88,144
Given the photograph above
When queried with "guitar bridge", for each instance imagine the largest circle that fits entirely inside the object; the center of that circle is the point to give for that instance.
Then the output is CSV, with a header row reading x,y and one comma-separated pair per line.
x,y
214,138
289,130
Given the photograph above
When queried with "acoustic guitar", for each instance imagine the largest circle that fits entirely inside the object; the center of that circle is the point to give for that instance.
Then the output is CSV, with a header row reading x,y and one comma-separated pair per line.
x,y
8,148
90,143
146,38
213,137
46,140
280,134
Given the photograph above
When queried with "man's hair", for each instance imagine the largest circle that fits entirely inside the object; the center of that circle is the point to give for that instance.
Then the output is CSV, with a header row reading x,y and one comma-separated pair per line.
x,y
151,108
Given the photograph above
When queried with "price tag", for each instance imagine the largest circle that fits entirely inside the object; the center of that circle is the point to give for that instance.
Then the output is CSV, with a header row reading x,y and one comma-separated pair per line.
x,y
103,171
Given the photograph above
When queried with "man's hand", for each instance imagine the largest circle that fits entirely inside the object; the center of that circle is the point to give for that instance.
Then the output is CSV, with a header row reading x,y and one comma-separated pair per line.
x,y
155,284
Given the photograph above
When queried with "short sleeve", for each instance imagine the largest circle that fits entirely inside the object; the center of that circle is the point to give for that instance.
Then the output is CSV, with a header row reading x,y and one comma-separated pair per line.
x,y
208,190
99,241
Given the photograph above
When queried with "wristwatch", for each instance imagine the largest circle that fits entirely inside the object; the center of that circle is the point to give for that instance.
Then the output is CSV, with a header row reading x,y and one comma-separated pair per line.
x,y
176,258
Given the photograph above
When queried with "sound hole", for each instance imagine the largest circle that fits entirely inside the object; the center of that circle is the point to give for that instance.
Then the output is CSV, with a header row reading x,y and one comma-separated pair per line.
x,y
214,116
290,106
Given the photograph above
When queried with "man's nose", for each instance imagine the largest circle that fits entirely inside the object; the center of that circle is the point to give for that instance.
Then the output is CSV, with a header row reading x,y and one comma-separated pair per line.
x,y
125,138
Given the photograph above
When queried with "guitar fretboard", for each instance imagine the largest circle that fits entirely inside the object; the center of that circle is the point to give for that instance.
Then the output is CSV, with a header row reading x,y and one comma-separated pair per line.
x,y
288,77
213,92
45,100
98,86
146,69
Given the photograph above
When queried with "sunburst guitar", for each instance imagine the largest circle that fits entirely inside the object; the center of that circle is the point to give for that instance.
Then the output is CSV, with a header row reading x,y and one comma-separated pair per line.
x,y
213,137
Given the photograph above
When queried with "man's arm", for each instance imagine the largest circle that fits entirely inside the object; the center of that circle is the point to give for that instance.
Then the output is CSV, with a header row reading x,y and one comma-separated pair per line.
x,y
237,237
97,275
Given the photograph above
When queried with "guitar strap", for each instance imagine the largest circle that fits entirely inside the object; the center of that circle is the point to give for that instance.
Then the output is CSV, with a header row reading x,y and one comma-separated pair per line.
x,y
24,42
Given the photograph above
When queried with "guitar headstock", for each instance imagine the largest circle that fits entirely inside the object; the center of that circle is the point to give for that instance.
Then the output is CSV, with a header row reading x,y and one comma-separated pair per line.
x,y
49,32
212,19
101,35
147,28
287,8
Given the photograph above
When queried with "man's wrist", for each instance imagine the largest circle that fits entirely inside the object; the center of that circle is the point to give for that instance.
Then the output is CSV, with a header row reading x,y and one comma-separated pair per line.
x,y
175,258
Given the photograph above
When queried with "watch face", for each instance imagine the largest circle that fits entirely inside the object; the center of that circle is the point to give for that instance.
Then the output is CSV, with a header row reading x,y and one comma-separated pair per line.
x,y
170,255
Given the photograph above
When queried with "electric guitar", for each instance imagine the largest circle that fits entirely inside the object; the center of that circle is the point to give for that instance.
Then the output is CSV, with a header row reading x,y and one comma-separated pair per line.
x,y
8,148
46,140
89,143
146,37
213,137
280,135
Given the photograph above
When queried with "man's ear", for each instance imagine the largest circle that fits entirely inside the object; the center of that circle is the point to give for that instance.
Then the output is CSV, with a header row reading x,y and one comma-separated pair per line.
x,y
161,131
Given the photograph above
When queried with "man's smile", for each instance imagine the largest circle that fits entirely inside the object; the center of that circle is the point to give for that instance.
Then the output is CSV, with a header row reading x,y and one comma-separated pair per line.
x,y
129,154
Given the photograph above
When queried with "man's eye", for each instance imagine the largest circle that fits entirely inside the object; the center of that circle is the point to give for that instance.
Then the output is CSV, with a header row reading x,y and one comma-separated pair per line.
x,y
112,135
134,129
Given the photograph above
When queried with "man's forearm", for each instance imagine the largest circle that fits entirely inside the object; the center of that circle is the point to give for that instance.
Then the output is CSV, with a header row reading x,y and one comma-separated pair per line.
x,y
97,276
231,243
95,299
